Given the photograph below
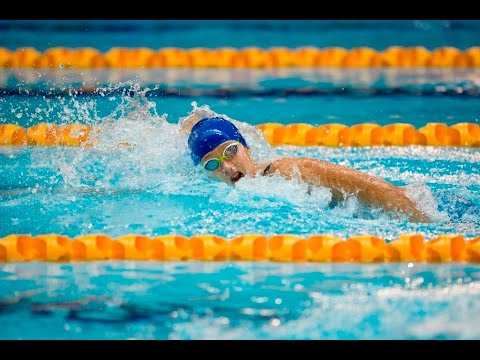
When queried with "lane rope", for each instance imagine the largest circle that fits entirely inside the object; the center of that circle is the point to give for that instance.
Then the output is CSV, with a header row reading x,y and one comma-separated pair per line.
x,y
248,247
299,134
248,57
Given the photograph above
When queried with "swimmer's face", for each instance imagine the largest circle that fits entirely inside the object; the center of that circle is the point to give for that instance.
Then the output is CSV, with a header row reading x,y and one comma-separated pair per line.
x,y
235,162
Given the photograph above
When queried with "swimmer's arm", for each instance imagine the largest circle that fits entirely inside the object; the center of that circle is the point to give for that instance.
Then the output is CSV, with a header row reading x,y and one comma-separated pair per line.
x,y
344,180
187,123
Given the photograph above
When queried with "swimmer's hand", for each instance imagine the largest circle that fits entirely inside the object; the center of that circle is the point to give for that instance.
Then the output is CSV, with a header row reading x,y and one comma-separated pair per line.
x,y
420,217
187,123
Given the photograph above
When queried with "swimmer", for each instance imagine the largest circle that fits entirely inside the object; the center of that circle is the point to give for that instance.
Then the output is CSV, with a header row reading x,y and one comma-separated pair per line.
x,y
217,145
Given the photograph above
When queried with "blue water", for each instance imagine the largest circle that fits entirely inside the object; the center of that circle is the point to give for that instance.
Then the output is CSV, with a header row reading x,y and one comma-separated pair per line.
x,y
142,300
152,189
313,96
74,191
104,34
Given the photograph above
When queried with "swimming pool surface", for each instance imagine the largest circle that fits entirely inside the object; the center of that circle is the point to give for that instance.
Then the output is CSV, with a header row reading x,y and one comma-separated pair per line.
x,y
152,189
255,96
143,300
103,34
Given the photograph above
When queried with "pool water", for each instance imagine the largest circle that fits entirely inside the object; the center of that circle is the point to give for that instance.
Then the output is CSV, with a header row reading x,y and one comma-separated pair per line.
x,y
104,34
313,96
195,300
151,188
73,192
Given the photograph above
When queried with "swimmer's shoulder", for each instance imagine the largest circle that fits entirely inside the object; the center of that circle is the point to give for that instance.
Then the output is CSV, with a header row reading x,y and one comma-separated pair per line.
x,y
270,167
292,166
281,166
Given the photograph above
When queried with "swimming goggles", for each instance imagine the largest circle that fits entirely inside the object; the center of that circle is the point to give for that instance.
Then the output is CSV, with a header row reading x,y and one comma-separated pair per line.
x,y
228,153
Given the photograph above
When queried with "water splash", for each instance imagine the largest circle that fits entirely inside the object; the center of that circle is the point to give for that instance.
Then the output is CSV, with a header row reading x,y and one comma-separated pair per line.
x,y
425,200
150,152
143,143
271,192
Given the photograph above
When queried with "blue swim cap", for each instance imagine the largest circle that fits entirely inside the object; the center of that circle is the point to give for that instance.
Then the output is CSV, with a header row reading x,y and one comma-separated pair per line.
x,y
208,133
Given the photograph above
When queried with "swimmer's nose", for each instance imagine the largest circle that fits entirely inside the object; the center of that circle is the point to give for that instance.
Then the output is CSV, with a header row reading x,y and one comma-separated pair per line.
x,y
227,167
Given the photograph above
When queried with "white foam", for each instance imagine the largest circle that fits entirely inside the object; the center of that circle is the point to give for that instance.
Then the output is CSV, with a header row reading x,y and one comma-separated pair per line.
x,y
426,202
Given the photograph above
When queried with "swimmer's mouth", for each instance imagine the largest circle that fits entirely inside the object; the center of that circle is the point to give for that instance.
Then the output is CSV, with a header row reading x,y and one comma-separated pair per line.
x,y
237,176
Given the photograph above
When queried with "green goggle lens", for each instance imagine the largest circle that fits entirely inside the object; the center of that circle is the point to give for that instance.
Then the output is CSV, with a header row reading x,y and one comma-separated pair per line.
x,y
228,153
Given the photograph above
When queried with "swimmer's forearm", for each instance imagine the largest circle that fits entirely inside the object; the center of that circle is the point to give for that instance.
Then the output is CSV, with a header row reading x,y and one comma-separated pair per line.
x,y
392,198
368,189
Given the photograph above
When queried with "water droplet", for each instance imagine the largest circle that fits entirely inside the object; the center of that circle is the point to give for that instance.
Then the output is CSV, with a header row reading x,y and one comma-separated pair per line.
x,y
224,320
275,322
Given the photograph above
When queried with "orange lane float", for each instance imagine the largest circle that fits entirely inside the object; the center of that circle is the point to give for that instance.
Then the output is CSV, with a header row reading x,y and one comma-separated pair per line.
x,y
247,57
300,134
321,248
